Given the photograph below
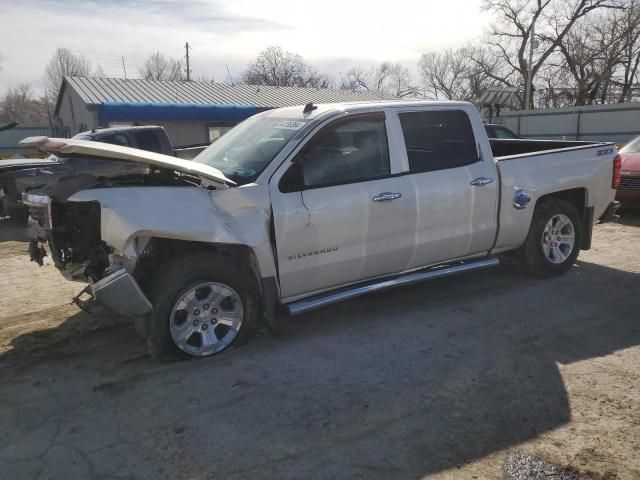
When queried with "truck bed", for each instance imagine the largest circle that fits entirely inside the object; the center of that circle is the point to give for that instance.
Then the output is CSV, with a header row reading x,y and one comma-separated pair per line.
x,y
506,149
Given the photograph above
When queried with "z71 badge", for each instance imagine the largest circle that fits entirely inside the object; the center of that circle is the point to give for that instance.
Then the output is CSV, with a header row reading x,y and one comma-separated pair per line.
x,y
605,151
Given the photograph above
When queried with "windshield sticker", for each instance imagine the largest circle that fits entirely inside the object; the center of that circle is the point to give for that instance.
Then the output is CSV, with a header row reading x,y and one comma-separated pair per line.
x,y
289,125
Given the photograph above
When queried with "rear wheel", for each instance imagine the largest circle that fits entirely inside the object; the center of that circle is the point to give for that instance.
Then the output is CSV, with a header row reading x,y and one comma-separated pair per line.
x,y
554,239
202,307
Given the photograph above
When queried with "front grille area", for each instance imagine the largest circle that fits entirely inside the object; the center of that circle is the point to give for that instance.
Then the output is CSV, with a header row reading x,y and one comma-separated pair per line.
x,y
629,183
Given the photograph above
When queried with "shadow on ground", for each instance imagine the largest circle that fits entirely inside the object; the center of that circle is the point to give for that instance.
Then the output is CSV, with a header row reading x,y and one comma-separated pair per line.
x,y
629,216
400,384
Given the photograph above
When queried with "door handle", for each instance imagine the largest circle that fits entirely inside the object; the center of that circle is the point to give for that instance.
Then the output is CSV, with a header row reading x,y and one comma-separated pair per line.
x,y
386,197
481,181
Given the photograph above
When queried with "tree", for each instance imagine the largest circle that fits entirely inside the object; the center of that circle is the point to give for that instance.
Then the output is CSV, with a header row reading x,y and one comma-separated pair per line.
x,y
63,63
387,78
629,22
279,68
19,105
160,67
456,74
552,21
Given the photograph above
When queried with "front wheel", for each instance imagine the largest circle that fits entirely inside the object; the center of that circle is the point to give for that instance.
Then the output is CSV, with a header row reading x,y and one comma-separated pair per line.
x,y
554,238
202,307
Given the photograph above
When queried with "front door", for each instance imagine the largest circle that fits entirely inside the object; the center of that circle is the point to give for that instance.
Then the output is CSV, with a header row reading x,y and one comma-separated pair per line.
x,y
340,215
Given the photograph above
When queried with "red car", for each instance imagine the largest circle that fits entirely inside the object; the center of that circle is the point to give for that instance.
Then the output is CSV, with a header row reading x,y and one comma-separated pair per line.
x,y
629,188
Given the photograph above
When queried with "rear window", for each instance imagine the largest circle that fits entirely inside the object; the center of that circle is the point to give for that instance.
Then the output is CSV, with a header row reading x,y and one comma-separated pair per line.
x,y
438,140
115,139
148,140
503,132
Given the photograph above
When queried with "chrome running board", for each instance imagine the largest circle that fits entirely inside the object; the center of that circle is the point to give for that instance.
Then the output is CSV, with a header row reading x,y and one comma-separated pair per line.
x,y
308,304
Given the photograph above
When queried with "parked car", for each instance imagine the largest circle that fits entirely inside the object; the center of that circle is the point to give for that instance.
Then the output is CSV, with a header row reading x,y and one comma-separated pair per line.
x,y
19,176
629,188
499,131
298,208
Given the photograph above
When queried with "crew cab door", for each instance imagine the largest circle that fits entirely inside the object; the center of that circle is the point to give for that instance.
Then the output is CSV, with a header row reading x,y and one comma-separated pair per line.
x,y
342,212
456,190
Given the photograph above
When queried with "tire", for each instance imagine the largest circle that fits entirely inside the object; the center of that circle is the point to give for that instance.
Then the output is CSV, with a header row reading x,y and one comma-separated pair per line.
x,y
206,295
548,250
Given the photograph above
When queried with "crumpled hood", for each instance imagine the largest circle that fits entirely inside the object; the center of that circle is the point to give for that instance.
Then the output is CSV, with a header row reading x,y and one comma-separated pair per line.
x,y
116,152
630,162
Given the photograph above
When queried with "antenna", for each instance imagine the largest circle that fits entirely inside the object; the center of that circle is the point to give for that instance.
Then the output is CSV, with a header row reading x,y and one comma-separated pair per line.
x,y
309,107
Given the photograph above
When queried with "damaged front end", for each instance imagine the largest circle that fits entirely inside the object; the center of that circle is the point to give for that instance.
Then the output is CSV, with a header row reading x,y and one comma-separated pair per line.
x,y
72,231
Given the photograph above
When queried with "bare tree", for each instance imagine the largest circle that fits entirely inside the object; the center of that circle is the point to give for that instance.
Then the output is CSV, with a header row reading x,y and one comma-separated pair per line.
x,y
160,67
552,21
388,78
279,68
628,21
98,71
20,105
63,63
590,54
456,74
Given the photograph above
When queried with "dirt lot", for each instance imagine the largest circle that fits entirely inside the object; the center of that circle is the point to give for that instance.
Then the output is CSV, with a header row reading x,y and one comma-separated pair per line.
x,y
441,380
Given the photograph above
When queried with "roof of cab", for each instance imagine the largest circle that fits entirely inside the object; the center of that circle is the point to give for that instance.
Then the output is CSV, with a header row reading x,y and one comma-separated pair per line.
x,y
298,113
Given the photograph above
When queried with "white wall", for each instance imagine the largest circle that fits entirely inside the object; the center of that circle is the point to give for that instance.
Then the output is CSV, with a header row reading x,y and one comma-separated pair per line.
x,y
615,123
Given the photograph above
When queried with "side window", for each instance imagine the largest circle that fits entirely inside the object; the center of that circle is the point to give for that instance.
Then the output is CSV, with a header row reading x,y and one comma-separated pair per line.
x,y
116,139
349,150
437,140
148,140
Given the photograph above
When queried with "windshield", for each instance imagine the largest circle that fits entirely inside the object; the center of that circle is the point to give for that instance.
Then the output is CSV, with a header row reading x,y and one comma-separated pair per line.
x,y
632,147
243,152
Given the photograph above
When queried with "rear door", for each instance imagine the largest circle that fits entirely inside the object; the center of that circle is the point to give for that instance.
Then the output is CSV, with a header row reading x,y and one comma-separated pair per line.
x,y
342,211
456,191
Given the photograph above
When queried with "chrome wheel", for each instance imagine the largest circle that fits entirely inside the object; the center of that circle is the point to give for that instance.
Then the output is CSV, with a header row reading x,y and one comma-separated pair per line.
x,y
558,238
206,319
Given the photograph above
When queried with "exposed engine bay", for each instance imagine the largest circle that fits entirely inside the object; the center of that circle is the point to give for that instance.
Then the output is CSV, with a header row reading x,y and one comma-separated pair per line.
x,y
72,228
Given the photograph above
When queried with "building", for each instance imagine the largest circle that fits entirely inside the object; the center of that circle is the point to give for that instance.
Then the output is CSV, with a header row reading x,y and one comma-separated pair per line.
x,y
191,112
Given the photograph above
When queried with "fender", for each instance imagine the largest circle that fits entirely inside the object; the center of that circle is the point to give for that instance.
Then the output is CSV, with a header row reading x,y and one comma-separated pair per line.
x,y
130,216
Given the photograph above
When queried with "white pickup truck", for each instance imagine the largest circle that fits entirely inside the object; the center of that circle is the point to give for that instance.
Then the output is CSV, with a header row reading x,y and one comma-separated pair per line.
x,y
300,207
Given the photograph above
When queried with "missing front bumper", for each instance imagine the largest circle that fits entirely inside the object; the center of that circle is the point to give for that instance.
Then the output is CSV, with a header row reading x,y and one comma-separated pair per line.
x,y
120,292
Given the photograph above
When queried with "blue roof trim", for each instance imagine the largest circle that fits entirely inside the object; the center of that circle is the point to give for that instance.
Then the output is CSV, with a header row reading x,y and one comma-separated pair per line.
x,y
135,111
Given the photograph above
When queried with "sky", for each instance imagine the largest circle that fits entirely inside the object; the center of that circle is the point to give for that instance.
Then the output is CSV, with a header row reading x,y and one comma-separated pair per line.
x,y
331,35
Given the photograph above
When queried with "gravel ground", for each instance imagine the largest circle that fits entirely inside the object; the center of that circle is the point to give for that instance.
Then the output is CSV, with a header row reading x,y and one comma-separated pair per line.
x,y
490,375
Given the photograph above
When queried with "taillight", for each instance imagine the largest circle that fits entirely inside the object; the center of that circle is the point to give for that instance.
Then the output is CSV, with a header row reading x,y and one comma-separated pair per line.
x,y
617,168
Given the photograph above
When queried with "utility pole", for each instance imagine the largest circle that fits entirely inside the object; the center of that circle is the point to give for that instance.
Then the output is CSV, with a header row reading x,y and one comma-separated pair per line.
x,y
529,85
186,46
124,68
229,73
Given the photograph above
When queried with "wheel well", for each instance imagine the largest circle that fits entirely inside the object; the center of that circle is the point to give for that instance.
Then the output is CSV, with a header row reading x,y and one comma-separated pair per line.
x,y
576,196
159,250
